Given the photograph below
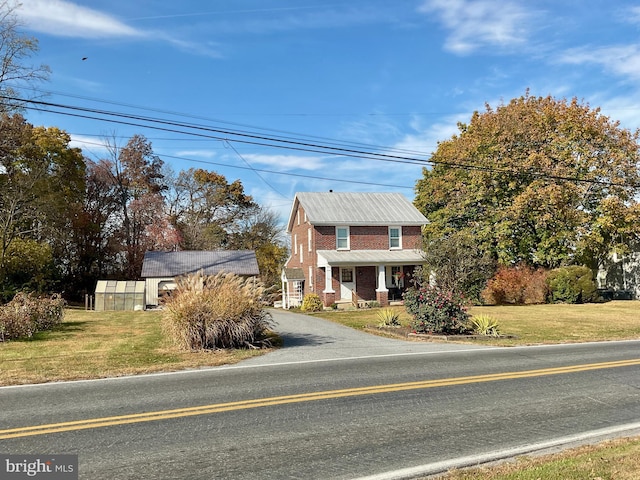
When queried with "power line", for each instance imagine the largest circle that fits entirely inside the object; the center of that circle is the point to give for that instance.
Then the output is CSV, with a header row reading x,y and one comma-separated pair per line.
x,y
253,138
326,140
275,172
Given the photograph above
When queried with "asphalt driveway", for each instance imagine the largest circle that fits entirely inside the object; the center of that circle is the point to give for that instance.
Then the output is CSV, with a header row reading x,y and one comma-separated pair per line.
x,y
309,338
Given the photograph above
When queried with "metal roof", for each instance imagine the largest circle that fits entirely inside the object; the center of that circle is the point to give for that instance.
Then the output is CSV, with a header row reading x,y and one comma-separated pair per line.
x,y
369,257
172,264
293,274
357,208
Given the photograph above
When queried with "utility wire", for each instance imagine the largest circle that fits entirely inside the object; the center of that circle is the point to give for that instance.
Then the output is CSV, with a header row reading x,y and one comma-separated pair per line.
x,y
252,138
275,172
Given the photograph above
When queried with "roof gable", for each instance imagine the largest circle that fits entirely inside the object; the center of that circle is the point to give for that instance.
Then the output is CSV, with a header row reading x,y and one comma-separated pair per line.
x,y
356,208
211,262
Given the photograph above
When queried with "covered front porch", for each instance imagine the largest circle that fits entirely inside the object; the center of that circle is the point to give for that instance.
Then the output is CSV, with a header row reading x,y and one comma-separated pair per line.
x,y
362,276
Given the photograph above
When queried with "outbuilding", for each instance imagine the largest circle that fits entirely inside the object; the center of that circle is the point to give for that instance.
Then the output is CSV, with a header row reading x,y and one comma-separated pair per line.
x,y
161,269
119,295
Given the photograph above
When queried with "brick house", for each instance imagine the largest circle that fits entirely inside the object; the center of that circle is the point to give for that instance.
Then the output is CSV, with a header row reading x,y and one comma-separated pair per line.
x,y
351,247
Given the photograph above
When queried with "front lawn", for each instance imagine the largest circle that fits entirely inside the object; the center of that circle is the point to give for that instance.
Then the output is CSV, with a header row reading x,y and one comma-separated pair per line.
x,y
92,344
531,324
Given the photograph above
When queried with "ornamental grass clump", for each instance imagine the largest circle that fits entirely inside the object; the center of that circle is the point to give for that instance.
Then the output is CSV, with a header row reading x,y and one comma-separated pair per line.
x,y
27,314
214,312
435,310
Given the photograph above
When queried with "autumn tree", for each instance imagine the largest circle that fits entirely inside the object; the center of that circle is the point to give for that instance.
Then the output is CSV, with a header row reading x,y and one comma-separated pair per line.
x,y
542,181
41,186
136,173
207,209
15,49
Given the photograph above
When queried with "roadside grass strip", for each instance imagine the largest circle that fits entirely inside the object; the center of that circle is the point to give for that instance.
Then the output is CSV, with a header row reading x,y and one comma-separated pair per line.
x,y
299,398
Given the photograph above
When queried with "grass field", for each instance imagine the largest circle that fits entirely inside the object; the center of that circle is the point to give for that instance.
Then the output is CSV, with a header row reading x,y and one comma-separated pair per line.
x,y
102,344
532,324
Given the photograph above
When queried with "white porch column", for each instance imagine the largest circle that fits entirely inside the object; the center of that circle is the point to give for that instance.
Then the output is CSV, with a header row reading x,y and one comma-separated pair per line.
x,y
328,284
382,279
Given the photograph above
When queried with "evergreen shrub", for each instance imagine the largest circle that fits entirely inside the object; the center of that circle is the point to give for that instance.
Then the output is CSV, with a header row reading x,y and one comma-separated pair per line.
x,y
573,284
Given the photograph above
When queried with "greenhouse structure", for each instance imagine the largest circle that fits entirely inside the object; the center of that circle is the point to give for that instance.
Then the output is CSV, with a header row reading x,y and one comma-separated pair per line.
x,y
119,295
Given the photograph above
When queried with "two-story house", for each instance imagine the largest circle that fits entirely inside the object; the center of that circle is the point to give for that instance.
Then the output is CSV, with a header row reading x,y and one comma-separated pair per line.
x,y
351,247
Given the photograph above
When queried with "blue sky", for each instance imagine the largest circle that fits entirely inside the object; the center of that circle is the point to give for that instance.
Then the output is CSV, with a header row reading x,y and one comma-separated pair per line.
x,y
394,75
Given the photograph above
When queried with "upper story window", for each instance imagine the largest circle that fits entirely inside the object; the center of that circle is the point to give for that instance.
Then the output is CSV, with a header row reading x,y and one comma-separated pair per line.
x,y
395,237
342,238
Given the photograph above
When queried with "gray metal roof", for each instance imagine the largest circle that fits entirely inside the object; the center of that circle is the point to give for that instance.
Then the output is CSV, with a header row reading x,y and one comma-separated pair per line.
x,y
369,257
172,264
293,274
357,208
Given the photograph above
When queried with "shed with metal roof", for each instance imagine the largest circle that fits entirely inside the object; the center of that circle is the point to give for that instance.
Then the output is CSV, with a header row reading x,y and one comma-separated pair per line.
x,y
160,269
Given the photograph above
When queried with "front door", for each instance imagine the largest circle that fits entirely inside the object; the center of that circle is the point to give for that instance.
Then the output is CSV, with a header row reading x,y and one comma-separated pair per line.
x,y
347,282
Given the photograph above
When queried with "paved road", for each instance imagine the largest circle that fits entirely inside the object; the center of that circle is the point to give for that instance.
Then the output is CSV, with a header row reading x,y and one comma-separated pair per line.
x,y
309,338
386,409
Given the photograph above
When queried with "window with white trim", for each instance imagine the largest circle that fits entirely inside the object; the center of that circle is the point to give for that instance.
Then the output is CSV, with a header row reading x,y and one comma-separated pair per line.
x,y
395,238
309,239
342,238
295,243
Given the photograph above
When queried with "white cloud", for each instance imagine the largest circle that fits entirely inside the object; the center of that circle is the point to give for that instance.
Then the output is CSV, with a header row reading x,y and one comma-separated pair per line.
x,y
478,24
620,60
91,146
285,162
196,153
66,19
63,18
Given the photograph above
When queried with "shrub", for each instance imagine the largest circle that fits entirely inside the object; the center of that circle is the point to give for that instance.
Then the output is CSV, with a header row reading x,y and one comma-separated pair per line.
x,y
573,284
519,285
485,325
221,311
27,314
435,310
388,318
311,303
459,263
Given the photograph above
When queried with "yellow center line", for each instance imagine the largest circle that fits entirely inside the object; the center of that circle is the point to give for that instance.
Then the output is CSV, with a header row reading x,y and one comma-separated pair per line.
x,y
298,398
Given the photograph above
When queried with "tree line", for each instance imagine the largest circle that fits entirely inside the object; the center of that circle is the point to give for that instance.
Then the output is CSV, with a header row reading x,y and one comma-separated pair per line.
x,y
67,221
